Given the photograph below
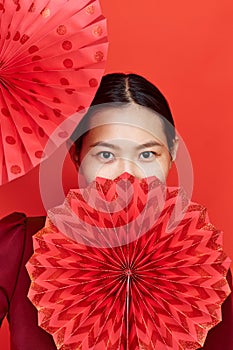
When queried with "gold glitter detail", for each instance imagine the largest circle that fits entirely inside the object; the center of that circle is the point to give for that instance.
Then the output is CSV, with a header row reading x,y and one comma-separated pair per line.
x,y
90,10
201,271
45,12
78,346
35,274
40,233
220,284
212,244
37,288
47,314
36,299
196,207
202,218
201,334
34,261
97,31
189,345
210,227
60,338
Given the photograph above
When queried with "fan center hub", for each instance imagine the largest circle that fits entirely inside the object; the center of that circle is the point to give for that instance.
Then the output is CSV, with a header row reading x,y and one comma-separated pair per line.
x,y
128,272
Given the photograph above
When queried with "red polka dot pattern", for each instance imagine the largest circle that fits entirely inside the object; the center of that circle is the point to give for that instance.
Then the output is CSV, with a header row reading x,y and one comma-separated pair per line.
x,y
61,30
24,39
97,31
32,91
69,91
33,49
57,112
5,112
93,82
33,98
37,69
52,62
64,81
68,63
32,8
39,154
67,45
81,109
99,56
27,130
36,81
63,134
36,58
25,100
16,36
41,132
46,12
11,140
15,169
43,116
56,100
90,9
15,107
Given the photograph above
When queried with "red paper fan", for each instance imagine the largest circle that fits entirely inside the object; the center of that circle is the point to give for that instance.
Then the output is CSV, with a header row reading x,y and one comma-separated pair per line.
x,y
152,274
52,57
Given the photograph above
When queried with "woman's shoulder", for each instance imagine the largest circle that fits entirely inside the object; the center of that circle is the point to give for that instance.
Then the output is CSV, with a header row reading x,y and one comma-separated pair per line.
x,y
16,231
12,237
18,225
11,221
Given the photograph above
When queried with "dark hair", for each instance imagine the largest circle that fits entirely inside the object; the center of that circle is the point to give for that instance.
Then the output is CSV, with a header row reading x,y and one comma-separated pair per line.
x,y
128,88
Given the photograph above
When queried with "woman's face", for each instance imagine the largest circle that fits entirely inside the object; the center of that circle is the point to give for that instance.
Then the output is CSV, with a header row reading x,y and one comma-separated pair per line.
x,y
124,139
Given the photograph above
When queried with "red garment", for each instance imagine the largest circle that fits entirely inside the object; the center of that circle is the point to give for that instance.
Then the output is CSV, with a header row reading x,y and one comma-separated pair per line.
x,y
16,248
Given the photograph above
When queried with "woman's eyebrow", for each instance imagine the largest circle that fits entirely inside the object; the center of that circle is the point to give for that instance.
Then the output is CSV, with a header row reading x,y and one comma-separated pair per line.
x,y
104,144
149,144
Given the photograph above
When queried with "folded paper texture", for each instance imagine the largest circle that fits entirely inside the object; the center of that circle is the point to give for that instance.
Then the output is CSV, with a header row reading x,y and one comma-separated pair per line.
x,y
128,264
52,58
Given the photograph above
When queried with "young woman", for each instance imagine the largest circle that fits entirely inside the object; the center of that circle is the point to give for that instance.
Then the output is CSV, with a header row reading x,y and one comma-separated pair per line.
x,y
130,129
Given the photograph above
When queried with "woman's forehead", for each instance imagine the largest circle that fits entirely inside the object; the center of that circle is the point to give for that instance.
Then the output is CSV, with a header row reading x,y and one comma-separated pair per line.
x,y
132,121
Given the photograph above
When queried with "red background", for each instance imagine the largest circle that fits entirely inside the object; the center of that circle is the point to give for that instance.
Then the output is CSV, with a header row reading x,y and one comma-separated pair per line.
x,y
185,48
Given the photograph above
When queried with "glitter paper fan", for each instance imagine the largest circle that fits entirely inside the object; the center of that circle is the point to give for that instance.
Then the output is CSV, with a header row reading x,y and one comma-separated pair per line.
x,y
52,57
151,274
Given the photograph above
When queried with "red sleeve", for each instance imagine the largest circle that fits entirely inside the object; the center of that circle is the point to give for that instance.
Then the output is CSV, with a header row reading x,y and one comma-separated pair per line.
x,y
16,248
12,236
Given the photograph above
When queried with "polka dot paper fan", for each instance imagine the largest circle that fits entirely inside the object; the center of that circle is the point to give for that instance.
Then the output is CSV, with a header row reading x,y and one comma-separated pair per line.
x,y
52,57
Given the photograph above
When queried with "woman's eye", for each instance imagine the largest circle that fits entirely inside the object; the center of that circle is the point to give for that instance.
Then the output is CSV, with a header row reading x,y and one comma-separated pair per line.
x,y
147,155
106,155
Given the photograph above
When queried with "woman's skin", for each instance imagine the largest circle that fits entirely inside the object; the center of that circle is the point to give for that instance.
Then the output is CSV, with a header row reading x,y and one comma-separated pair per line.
x,y
124,139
